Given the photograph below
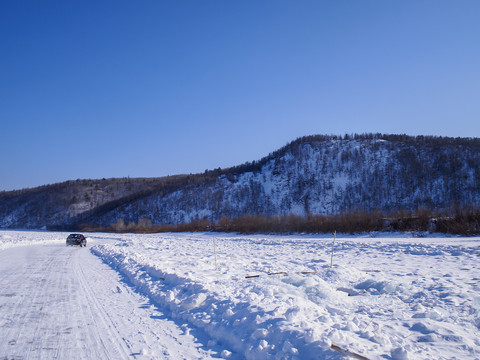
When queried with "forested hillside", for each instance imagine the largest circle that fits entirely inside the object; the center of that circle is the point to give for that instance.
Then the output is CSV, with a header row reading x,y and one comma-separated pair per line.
x,y
314,175
58,203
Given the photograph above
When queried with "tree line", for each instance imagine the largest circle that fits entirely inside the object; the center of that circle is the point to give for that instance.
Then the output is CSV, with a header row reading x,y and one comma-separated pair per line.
x,y
459,221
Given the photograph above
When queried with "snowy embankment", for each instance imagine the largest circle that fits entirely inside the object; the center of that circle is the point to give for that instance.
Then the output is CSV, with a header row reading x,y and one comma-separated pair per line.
x,y
399,298
12,238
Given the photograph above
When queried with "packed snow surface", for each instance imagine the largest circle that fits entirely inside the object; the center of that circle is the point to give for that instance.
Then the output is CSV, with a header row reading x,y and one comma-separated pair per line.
x,y
206,295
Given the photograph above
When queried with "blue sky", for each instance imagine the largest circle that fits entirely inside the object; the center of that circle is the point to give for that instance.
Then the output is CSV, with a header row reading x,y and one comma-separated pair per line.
x,y
151,88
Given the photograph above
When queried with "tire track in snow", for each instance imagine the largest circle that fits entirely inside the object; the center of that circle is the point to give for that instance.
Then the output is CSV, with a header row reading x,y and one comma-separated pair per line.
x,y
25,310
99,315
148,333
60,302
50,312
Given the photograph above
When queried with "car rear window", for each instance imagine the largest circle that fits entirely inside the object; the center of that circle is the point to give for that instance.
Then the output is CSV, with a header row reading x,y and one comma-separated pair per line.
x,y
75,236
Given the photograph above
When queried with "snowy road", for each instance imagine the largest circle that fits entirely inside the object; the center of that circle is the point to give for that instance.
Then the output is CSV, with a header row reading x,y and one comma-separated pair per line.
x,y
59,302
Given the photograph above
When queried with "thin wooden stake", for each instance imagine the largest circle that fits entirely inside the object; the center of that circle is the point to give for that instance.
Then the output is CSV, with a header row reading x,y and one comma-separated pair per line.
x,y
333,244
215,252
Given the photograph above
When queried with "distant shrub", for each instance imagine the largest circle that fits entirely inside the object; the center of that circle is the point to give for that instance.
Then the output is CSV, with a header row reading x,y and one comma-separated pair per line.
x,y
463,222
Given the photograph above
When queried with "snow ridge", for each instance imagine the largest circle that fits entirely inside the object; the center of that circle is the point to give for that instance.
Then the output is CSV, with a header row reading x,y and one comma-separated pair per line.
x,y
416,300
233,324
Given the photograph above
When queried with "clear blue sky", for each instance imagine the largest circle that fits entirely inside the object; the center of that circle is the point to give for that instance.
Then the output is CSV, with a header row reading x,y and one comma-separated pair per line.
x,y
93,89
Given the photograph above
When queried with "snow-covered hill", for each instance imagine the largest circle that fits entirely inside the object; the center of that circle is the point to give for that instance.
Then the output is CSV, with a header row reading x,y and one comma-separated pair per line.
x,y
56,204
323,175
311,175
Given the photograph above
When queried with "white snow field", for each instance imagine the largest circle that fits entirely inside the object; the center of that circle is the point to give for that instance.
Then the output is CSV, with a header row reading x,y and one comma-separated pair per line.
x,y
175,296
59,302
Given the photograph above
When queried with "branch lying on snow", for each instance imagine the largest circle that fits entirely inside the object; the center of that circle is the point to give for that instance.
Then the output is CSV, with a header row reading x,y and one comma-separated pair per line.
x,y
276,273
280,272
347,352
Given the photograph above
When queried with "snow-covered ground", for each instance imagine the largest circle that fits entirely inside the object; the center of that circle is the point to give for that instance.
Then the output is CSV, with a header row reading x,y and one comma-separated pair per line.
x,y
168,296
59,302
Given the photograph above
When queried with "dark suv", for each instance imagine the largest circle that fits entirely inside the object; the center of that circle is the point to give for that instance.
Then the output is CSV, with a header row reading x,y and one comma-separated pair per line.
x,y
77,239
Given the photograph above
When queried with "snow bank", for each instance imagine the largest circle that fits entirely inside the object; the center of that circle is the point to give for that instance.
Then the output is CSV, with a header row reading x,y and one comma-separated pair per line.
x,y
383,298
10,238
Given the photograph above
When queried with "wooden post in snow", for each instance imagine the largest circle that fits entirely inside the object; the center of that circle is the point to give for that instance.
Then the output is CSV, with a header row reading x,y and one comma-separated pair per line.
x,y
348,353
333,244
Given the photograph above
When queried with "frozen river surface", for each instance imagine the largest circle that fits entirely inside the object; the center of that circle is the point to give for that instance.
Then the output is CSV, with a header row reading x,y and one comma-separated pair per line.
x,y
190,296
